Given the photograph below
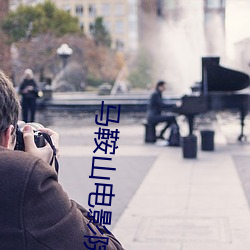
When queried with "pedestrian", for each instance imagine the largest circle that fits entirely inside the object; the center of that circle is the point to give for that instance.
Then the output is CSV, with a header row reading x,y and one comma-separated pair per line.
x,y
29,92
155,108
35,212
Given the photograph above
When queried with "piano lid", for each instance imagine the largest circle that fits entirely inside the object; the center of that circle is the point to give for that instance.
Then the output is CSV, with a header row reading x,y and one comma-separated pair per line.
x,y
218,78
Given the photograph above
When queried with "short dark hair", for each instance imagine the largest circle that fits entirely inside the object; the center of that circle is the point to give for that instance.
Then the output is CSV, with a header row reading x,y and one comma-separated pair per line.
x,y
9,104
159,84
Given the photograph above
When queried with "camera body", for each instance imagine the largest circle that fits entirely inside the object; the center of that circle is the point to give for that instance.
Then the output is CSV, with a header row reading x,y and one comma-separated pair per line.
x,y
38,137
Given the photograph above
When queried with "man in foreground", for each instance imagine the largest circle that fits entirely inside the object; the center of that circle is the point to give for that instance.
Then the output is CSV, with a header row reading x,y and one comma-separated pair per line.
x,y
35,212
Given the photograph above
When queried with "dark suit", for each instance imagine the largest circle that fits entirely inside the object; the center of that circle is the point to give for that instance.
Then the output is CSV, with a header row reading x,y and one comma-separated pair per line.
x,y
35,212
154,112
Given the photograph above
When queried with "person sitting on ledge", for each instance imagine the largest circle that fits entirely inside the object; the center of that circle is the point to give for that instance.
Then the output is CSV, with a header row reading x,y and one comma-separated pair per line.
x,y
154,110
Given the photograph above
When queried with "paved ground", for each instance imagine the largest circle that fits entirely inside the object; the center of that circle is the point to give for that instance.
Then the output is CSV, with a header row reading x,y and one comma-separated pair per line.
x,y
76,152
162,200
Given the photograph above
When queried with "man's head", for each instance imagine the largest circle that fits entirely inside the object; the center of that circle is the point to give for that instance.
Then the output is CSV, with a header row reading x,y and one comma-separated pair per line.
x,y
161,86
9,112
28,73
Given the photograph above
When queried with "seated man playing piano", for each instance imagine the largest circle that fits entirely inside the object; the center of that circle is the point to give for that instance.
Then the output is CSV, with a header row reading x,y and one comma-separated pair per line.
x,y
154,110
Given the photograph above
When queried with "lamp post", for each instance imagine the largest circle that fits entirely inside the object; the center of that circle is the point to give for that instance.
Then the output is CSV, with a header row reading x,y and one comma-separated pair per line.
x,y
64,51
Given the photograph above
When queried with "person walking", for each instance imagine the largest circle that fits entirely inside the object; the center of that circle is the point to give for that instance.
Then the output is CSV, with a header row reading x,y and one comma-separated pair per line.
x,y
29,92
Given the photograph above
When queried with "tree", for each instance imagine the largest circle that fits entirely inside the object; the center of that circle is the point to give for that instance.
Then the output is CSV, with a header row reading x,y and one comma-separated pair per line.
x,y
5,62
141,74
100,33
96,64
42,18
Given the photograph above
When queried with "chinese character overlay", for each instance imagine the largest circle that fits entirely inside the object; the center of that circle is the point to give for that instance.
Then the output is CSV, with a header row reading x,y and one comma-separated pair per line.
x,y
105,141
101,168
104,135
107,116
101,217
93,240
102,197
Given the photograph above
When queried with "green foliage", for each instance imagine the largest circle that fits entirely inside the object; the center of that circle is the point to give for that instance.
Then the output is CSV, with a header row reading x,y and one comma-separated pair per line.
x,y
93,80
42,18
100,33
141,74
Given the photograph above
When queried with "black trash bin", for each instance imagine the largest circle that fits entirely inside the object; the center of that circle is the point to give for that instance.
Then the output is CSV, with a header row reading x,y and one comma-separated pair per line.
x,y
207,140
189,146
150,133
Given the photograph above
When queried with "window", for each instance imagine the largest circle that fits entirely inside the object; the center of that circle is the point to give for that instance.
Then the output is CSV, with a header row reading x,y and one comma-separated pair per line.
x,y
170,4
79,10
92,10
119,9
91,27
107,25
106,9
132,26
82,26
119,44
215,4
67,8
119,27
132,10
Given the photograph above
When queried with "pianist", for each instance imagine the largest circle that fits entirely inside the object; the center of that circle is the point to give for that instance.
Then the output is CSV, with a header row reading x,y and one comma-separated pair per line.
x,y
154,110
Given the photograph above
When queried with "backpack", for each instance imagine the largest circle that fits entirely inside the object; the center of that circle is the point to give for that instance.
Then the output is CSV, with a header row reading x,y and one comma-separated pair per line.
x,y
174,136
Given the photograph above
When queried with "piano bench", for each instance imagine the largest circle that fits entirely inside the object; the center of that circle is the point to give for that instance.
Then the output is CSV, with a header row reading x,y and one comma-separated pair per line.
x,y
150,132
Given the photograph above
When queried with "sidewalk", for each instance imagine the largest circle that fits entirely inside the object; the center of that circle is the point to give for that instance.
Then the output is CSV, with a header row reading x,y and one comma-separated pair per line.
x,y
187,204
163,201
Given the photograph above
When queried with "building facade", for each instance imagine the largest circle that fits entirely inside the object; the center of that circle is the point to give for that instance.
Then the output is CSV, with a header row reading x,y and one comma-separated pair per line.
x,y
147,10
120,18
15,3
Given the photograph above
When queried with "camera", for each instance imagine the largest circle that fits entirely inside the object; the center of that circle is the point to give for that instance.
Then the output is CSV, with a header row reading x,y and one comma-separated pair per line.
x,y
38,137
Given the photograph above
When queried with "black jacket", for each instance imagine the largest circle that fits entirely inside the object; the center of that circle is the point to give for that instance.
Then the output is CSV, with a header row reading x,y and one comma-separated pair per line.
x,y
155,104
32,93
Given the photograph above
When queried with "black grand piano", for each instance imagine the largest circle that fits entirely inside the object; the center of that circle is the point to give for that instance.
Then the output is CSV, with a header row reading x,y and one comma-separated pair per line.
x,y
220,89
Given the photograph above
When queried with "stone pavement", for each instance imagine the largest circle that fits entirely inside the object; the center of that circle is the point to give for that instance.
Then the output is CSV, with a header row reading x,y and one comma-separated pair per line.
x,y
186,204
162,200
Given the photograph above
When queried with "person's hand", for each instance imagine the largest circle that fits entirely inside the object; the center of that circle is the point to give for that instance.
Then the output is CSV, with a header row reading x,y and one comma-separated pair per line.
x,y
45,153
28,89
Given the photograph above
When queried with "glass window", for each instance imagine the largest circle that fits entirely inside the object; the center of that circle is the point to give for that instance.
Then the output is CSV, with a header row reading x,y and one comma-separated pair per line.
x,y
79,10
119,44
132,26
67,8
215,4
119,26
82,26
92,10
132,10
91,27
107,25
170,4
119,9
106,9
